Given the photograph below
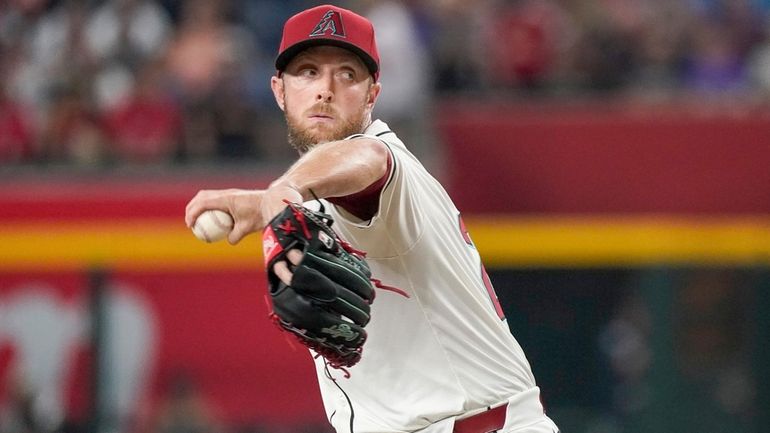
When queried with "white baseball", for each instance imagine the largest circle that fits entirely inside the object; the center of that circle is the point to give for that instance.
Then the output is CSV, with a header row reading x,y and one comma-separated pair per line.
x,y
213,225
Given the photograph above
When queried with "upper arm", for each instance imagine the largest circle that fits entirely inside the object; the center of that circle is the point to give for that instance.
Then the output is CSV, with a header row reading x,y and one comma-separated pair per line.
x,y
373,155
365,203
339,168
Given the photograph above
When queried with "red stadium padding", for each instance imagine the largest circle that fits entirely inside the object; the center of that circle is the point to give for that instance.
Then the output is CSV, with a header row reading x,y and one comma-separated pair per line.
x,y
108,197
607,157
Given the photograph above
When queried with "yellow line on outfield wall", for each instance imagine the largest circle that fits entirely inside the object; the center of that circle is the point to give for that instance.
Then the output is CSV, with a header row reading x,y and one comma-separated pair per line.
x,y
502,242
621,241
131,244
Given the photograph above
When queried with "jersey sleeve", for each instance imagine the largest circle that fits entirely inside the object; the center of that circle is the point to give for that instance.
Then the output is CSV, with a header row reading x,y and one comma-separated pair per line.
x,y
398,220
365,203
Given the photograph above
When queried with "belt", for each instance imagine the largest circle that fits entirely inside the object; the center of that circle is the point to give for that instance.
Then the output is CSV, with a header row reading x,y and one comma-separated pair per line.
x,y
484,422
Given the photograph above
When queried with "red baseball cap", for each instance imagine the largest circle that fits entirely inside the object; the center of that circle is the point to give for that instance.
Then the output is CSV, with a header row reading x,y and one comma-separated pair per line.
x,y
329,25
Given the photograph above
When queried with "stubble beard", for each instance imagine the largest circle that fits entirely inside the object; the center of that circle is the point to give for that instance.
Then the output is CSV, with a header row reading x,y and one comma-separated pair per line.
x,y
302,140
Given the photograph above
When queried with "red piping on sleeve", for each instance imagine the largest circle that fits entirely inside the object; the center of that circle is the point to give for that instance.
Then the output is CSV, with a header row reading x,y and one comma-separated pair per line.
x,y
365,203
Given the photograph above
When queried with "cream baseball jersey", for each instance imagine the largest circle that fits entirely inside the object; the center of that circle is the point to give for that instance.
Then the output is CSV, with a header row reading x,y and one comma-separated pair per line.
x,y
444,351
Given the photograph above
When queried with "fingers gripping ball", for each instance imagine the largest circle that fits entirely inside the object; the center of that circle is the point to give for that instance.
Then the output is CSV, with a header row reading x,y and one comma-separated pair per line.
x,y
213,225
328,303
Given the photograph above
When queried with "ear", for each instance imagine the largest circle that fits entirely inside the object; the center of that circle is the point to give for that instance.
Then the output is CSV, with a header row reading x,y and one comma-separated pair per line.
x,y
374,93
276,83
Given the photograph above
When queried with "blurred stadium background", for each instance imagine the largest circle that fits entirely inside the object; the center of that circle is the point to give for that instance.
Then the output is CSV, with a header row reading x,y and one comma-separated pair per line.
x,y
611,157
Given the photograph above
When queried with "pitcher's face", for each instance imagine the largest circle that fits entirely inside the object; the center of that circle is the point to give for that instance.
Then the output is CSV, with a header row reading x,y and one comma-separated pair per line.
x,y
327,94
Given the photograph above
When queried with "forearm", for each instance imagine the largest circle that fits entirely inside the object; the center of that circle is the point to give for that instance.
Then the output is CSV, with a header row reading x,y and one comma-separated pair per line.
x,y
336,169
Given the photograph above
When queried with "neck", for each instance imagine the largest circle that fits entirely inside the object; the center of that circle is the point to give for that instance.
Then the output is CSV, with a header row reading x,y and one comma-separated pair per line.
x,y
367,123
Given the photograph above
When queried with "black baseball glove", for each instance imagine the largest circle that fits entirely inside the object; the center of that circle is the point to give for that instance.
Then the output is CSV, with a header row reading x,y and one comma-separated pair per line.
x,y
328,303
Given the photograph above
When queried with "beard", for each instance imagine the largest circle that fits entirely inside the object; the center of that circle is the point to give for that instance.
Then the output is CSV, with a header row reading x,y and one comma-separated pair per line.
x,y
302,140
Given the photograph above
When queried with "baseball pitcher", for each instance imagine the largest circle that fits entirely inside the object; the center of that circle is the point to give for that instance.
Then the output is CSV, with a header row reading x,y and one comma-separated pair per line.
x,y
380,280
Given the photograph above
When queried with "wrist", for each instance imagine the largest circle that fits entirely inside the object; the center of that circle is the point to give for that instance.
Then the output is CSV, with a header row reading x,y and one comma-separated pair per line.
x,y
273,202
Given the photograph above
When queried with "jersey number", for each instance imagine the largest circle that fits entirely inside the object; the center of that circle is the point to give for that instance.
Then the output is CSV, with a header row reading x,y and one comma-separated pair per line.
x,y
484,275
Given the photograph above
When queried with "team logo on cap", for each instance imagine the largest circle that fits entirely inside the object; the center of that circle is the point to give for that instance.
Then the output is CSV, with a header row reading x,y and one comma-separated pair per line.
x,y
330,23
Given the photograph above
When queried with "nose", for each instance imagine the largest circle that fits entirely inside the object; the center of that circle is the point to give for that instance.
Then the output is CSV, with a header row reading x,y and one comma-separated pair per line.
x,y
325,95
326,90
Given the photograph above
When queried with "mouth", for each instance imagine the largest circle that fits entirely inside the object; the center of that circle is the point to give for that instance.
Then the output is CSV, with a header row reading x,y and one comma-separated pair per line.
x,y
321,116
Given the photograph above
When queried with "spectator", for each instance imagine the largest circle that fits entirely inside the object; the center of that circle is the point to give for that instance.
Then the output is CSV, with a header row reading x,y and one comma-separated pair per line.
x,y
123,35
16,134
405,72
713,63
60,50
523,42
234,118
458,63
74,133
759,69
198,59
660,45
128,31
146,127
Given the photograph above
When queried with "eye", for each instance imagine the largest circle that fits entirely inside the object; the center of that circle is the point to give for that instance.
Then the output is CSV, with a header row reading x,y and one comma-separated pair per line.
x,y
308,72
347,75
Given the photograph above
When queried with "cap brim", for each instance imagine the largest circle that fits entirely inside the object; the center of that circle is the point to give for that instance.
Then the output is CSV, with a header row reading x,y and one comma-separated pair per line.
x,y
285,57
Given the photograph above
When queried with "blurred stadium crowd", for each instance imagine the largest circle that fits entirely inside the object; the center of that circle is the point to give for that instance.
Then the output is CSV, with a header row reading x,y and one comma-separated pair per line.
x,y
96,82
